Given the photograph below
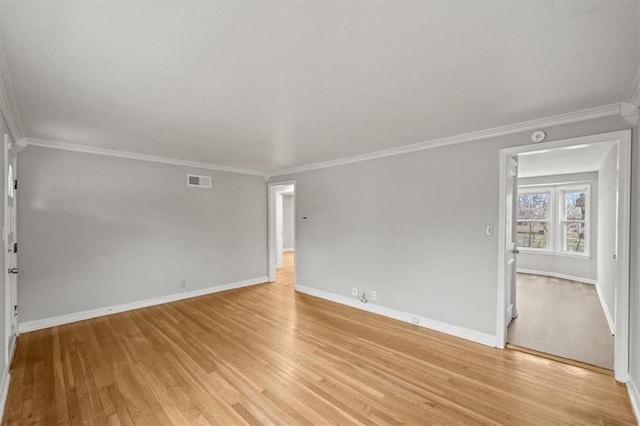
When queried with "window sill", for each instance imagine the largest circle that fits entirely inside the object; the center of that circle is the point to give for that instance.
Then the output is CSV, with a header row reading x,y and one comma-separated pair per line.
x,y
555,253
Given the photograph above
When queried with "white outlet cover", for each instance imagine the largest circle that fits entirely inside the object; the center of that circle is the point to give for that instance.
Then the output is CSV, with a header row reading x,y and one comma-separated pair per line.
x,y
354,291
374,295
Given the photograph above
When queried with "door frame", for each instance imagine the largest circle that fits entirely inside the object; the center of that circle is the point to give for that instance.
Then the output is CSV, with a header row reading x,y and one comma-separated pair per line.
x,y
622,139
10,290
510,294
271,229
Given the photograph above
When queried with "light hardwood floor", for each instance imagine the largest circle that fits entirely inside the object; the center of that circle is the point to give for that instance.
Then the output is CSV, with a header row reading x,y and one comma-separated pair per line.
x,y
265,354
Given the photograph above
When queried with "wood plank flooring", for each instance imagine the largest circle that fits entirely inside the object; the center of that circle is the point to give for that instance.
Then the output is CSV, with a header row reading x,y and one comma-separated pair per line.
x,y
267,355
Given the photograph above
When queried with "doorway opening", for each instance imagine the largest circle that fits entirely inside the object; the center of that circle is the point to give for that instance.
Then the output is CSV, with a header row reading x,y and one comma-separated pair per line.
x,y
281,230
563,283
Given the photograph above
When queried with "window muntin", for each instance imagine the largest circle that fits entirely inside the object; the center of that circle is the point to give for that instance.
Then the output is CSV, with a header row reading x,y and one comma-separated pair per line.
x,y
573,225
532,219
554,219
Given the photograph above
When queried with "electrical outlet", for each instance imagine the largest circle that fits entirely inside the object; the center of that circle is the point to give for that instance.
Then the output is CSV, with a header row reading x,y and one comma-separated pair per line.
x,y
488,230
354,292
374,295
183,283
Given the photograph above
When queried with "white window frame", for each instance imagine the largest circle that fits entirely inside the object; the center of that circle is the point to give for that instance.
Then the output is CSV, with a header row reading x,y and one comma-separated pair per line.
x,y
561,219
550,216
556,217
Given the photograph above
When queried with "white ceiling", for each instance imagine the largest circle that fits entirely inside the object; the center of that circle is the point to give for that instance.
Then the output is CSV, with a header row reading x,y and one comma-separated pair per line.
x,y
575,159
272,85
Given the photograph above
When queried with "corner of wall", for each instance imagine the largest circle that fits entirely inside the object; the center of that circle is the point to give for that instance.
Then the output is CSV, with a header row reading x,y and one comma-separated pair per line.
x,y
8,106
634,397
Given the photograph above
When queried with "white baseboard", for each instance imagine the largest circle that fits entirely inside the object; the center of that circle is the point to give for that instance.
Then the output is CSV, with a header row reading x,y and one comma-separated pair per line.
x,y
12,347
634,396
94,313
4,382
556,275
454,330
607,314
287,249
4,390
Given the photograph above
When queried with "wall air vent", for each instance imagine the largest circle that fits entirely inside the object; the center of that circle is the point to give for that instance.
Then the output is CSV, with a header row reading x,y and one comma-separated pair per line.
x,y
199,181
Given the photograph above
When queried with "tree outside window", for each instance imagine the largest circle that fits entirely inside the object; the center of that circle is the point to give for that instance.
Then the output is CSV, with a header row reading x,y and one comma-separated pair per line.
x,y
533,220
553,218
573,221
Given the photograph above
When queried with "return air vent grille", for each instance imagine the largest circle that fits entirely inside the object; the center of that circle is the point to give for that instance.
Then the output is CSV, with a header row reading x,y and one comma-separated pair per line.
x,y
199,181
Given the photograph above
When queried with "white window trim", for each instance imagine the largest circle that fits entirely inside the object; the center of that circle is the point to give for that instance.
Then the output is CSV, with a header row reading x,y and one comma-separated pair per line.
x,y
561,190
550,216
556,217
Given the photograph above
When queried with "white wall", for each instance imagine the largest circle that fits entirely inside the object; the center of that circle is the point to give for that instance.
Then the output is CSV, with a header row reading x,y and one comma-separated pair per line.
x,y
287,218
98,231
415,231
607,233
574,266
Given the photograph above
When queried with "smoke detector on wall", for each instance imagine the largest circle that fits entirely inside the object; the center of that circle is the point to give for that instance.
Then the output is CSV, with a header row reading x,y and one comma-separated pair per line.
x,y
199,181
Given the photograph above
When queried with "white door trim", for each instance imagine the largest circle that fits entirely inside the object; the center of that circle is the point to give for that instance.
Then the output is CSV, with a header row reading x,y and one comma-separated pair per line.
x,y
279,229
271,229
623,140
9,290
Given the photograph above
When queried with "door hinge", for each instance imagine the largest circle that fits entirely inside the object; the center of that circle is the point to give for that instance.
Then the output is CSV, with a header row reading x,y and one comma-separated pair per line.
x,y
15,309
15,184
15,247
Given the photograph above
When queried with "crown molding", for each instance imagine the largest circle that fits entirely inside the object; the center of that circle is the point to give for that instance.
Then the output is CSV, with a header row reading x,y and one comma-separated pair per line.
x,y
20,144
624,109
556,120
633,96
46,143
630,113
8,106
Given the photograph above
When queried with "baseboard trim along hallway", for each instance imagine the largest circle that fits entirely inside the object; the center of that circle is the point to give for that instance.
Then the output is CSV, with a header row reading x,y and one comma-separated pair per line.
x,y
27,326
443,327
634,396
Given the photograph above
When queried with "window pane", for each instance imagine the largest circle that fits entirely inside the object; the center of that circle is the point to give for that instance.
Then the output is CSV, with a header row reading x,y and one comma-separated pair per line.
x,y
533,234
573,235
533,205
575,206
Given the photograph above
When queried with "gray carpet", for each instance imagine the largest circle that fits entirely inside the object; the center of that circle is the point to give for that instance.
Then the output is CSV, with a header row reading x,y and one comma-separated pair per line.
x,y
562,318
